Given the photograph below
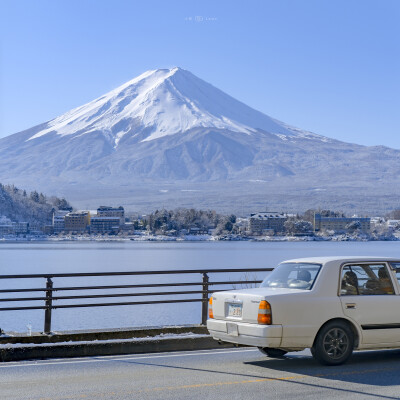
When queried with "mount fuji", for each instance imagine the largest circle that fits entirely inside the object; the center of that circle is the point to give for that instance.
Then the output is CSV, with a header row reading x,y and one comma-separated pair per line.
x,y
168,138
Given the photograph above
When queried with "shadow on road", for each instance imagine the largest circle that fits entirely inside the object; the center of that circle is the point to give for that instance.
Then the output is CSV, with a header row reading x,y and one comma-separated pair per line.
x,y
379,368
370,368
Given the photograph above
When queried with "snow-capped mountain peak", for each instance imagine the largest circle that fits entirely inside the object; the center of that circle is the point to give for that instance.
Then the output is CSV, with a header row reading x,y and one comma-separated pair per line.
x,y
162,102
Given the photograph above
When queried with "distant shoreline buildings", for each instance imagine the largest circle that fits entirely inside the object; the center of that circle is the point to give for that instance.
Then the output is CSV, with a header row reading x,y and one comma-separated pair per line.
x,y
340,224
107,220
8,227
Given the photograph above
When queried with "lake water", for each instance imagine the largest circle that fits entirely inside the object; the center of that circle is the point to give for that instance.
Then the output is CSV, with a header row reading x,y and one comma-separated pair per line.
x,y
59,257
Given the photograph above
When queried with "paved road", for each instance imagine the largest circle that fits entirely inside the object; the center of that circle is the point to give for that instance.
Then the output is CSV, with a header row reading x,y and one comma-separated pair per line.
x,y
211,374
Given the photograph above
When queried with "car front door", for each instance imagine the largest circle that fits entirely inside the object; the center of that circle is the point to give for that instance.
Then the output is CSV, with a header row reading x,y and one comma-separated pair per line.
x,y
368,298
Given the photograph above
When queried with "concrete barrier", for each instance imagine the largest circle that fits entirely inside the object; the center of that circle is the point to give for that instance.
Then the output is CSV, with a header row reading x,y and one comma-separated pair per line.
x,y
112,342
103,334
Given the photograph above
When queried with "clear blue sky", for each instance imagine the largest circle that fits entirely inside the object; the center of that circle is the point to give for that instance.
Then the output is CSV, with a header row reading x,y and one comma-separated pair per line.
x,y
331,67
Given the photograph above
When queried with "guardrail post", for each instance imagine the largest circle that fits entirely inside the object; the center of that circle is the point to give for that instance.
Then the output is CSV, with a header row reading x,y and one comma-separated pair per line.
x,y
49,303
204,304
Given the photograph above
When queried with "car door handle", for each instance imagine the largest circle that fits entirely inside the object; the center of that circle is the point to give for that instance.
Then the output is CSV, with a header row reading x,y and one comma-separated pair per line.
x,y
351,305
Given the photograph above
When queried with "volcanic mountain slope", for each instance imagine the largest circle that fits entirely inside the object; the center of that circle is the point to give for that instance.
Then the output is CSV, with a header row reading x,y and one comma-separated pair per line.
x,y
167,127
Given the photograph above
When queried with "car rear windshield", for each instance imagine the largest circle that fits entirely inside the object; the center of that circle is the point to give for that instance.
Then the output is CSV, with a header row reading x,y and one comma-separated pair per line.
x,y
292,276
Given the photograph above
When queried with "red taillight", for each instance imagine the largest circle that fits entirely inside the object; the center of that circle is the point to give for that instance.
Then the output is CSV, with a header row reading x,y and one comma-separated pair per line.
x,y
264,313
210,309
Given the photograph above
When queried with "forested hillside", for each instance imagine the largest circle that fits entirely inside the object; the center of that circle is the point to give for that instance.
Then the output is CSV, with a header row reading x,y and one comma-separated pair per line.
x,y
36,208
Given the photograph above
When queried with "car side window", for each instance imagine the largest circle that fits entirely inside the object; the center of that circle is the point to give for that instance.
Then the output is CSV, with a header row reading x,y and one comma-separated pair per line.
x,y
365,279
396,266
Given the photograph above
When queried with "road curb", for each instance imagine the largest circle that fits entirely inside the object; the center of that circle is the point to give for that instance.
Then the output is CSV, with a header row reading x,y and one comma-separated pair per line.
x,y
118,347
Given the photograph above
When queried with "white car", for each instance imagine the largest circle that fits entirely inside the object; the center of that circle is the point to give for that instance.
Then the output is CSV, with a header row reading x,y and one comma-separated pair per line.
x,y
332,305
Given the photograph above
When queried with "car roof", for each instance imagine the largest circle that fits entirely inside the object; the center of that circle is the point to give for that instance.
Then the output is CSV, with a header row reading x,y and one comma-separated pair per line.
x,y
342,259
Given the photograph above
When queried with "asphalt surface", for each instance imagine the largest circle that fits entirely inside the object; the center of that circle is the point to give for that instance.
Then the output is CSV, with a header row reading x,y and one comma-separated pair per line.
x,y
242,373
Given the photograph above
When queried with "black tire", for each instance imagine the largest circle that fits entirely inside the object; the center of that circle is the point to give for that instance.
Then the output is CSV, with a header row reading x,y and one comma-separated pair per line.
x,y
271,352
333,344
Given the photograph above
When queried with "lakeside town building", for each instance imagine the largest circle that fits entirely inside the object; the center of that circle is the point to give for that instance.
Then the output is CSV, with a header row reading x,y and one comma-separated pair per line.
x,y
77,221
339,224
99,225
13,228
119,212
267,223
59,221
393,223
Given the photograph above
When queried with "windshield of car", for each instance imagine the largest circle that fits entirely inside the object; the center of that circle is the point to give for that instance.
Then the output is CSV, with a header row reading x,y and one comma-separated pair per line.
x,y
292,276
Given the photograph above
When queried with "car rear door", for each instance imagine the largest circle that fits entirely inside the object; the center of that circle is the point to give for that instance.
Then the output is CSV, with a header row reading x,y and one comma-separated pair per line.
x,y
369,297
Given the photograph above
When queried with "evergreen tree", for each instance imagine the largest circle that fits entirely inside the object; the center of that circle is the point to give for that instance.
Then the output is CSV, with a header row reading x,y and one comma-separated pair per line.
x,y
34,196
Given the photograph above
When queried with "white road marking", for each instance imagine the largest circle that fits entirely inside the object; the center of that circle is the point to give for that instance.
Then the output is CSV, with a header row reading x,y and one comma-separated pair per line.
x,y
119,358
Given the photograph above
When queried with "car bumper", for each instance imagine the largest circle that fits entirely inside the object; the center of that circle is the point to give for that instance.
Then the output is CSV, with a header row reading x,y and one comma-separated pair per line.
x,y
245,333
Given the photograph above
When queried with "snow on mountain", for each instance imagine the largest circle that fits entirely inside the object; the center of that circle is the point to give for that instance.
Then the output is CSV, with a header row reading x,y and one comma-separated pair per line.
x,y
165,101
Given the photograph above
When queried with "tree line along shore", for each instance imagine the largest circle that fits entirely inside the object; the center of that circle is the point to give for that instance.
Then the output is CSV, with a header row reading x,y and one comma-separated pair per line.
x,y
24,214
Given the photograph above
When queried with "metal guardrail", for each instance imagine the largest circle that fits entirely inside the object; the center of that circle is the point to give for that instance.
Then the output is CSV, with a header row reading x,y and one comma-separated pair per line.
x,y
50,290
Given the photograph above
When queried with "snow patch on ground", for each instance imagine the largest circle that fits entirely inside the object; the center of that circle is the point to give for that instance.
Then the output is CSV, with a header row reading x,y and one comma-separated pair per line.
x,y
162,336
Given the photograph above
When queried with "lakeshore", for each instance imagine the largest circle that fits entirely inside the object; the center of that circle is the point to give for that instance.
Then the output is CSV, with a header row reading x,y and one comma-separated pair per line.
x,y
145,237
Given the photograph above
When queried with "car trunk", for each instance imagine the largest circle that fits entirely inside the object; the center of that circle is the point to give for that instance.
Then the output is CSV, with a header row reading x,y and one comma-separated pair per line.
x,y
243,305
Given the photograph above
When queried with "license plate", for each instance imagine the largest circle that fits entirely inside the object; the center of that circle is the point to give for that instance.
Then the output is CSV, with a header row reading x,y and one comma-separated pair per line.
x,y
234,310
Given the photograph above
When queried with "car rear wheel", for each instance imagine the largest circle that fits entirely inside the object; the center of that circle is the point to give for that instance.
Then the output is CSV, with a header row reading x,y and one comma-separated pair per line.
x,y
273,353
334,344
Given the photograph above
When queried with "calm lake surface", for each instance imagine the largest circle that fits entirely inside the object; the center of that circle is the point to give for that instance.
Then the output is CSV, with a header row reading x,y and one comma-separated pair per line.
x,y
59,257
